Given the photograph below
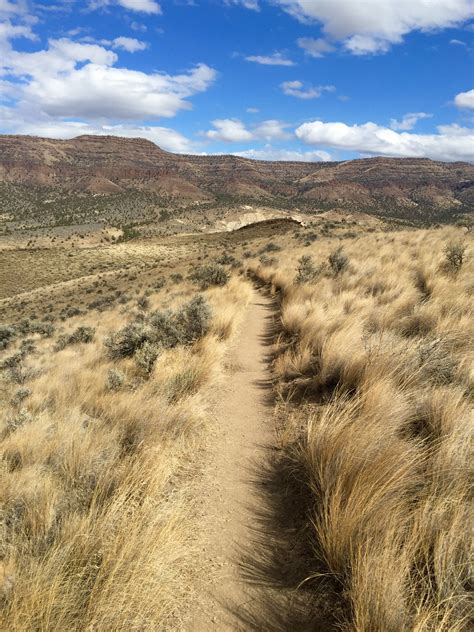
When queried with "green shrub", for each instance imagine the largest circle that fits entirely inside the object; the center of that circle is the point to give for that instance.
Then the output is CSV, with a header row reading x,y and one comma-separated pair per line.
x,y
13,360
146,356
124,343
194,319
455,253
338,261
143,303
19,420
164,329
212,274
7,334
226,260
265,260
21,395
115,379
270,247
27,346
306,271
80,335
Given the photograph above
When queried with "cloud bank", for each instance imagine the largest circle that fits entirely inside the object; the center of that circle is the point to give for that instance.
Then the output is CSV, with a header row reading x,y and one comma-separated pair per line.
x,y
452,142
373,26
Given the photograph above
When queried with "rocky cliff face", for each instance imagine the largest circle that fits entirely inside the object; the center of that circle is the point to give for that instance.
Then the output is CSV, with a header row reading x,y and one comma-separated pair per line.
x,y
108,165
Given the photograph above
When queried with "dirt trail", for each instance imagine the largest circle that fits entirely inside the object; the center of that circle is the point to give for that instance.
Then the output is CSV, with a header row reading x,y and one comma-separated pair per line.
x,y
244,431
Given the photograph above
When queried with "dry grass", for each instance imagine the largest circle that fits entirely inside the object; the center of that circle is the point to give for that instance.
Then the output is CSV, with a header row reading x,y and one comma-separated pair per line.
x,y
97,490
381,357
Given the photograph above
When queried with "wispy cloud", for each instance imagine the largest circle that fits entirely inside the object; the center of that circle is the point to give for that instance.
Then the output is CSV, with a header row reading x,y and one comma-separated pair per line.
x,y
297,89
275,59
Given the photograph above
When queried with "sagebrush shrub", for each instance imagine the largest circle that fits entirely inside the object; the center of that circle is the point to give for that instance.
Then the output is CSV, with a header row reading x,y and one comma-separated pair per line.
x,y
115,379
455,253
306,271
194,319
19,420
270,247
13,360
80,335
226,260
209,275
165,331
126,341
338,261
43,328
21,395
146,356
7,334
162,329
265,260
143,302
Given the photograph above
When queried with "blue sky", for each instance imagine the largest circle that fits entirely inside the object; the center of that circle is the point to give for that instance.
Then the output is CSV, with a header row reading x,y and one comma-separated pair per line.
x,y
269,79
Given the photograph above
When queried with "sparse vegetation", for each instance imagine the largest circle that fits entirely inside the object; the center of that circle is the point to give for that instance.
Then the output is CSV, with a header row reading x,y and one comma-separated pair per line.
x,y
102,443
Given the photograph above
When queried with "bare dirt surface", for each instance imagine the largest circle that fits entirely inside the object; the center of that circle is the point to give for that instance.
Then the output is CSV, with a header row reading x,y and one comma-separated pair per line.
x,y
245,428
254,546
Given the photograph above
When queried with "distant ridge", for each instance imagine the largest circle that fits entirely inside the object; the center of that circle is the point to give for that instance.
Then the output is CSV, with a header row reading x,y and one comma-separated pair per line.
x,y
110,165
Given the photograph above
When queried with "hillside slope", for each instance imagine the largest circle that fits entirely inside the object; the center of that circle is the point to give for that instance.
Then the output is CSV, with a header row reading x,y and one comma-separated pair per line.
x,y
108,165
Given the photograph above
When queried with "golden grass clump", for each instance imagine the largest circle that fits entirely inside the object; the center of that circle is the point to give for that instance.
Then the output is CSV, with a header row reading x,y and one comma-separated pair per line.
x,y
96,491
375,365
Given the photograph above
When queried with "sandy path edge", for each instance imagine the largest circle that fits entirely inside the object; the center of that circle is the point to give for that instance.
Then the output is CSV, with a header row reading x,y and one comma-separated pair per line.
x,y
244,427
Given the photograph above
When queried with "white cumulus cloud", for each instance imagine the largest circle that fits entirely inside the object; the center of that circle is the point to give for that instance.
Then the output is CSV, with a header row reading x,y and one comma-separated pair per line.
x,y
372,26
130,44
465,100
452,142
72,79
229,130
234,131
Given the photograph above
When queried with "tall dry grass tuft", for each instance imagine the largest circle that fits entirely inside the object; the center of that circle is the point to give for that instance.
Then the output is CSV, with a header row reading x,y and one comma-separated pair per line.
x,y
97,465
375,363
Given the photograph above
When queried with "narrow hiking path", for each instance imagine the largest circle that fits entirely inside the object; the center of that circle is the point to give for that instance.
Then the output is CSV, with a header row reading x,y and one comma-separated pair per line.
x,y
244,430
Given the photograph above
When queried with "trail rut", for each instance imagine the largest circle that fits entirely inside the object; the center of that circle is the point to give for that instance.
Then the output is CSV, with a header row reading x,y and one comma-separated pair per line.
x,y
244,432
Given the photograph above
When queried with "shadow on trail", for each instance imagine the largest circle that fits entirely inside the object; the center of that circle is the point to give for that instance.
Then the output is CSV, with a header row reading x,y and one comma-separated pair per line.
x,y
279,560
289,590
